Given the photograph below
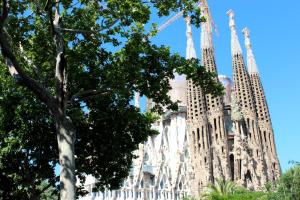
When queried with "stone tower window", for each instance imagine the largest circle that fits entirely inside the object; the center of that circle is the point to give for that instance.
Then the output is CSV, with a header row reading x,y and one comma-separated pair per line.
x,y
270,141
240,169
202,132
219,122
146,158
194,139
180,185
215,124
231,159
248,175
161,184
198,134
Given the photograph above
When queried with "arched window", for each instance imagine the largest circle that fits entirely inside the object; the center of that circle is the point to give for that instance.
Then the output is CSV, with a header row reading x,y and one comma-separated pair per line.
x,y
248,175
186,153
161,184
180,185
146,158
231,158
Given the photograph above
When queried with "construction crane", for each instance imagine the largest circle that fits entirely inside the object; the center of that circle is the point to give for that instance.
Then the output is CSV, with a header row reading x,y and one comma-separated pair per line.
x,y
207,14
169,22
202,3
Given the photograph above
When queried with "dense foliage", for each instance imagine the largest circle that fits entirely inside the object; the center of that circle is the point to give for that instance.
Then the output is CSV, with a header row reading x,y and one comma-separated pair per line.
x,y
28,153
288,186
68,72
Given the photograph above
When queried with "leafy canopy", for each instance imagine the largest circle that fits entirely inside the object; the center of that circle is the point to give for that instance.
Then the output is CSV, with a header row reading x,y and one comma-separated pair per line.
x,y
109,56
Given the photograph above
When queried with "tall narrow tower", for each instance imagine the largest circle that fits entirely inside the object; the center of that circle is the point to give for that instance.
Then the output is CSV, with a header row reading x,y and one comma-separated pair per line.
x,y
215,106
197,126
243,92
262,111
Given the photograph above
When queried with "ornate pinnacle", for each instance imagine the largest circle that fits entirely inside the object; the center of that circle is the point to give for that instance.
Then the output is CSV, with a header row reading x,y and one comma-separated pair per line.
x,y
235,44
246,33
190,49
230,13
188,27
206,32
252,67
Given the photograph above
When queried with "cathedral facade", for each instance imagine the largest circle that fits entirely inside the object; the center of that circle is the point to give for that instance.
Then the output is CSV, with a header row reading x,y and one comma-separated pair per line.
x,y
207,138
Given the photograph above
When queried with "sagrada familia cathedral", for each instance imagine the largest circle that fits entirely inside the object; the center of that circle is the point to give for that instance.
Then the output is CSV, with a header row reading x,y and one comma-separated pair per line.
x,y
207,138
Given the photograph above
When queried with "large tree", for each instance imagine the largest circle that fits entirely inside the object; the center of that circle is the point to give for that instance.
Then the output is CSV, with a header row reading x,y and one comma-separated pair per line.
x,y
75,65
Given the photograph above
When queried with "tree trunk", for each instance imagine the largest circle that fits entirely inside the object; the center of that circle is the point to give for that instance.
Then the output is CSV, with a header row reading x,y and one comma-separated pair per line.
x,y
65,139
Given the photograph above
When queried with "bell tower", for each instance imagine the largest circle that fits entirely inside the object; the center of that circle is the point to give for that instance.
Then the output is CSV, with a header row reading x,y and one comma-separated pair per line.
x,y
198,129
262,112
215,106
256,172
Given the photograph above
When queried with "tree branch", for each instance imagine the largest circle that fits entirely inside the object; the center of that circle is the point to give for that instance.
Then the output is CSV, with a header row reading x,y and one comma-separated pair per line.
x,y
13,65
61,63
77,30
4,15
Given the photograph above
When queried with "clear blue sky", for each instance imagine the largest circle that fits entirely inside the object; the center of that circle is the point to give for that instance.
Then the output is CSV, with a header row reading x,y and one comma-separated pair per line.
x,y
275,35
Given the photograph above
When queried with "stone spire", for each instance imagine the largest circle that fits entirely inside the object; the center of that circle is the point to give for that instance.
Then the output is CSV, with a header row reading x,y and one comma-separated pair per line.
x,y
241,79
214,105
235,44
206,31
198,128
179,83
245,100
252,67
263,114
207,49
190,48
